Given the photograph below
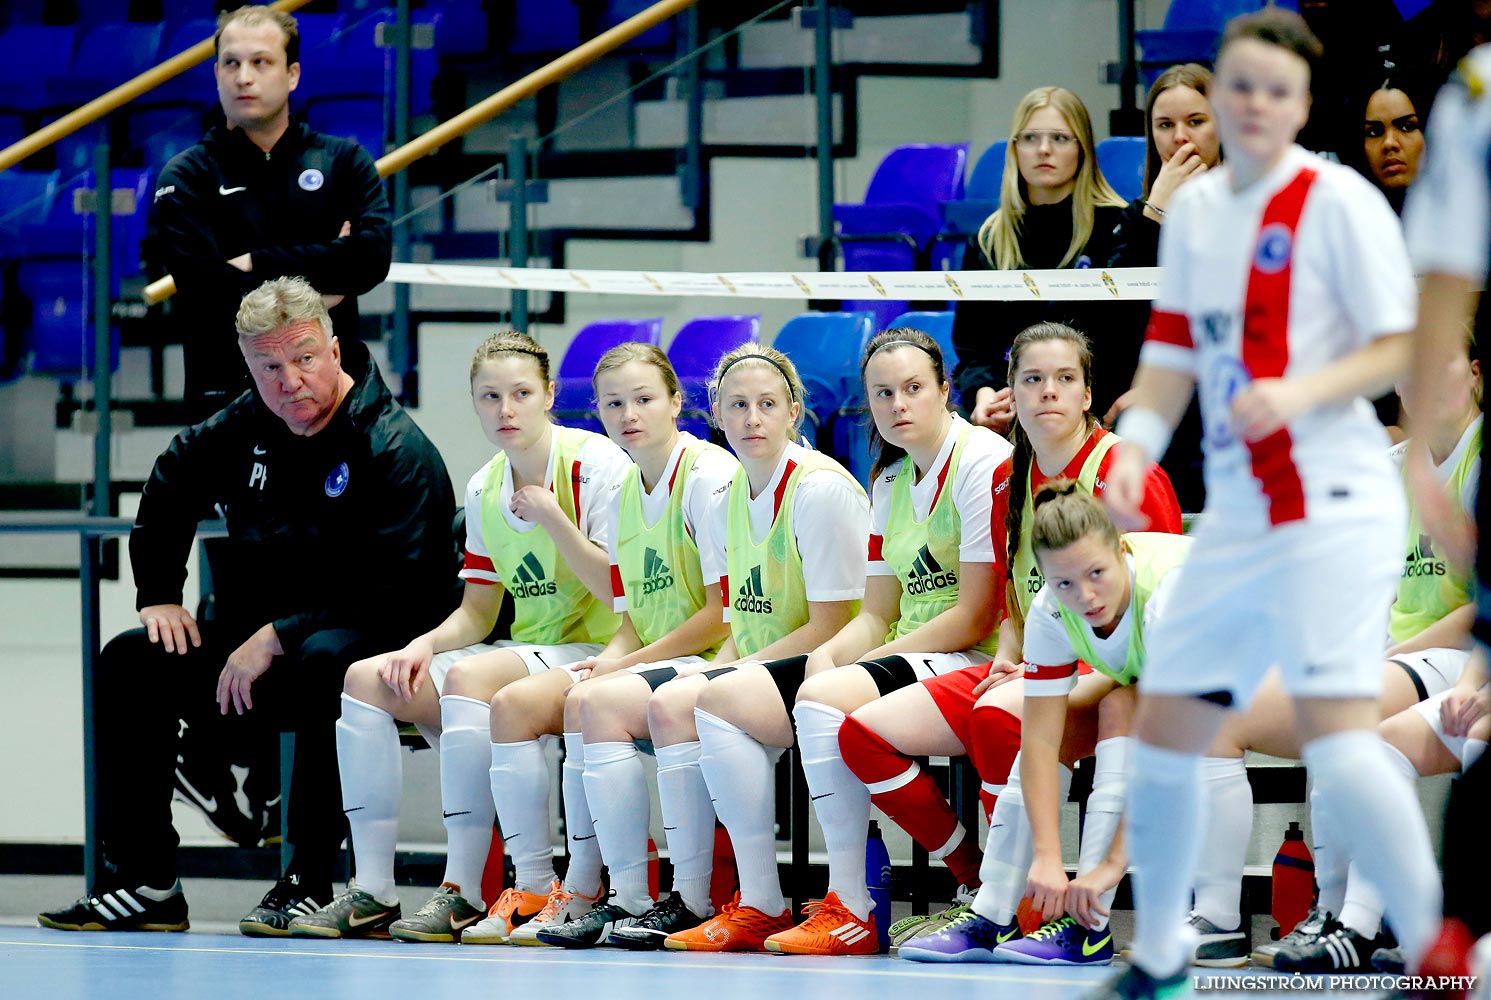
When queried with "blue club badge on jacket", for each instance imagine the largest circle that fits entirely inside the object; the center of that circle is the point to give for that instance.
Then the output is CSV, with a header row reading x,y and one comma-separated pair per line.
x,y
336,480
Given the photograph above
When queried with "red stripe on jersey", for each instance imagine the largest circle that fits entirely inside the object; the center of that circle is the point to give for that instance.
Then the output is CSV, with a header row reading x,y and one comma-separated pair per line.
x,y
724,591
1265,346
1169,328
574,482
616,590
1034,672
1159,504
480,564
942,479
776,501
877,543
676,466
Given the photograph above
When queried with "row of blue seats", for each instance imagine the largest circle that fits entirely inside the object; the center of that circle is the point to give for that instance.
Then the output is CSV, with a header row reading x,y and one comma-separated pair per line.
x,y
825,347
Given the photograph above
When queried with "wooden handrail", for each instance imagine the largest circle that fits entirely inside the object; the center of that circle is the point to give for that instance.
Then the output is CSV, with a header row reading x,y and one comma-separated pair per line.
x,y
484,111
122,94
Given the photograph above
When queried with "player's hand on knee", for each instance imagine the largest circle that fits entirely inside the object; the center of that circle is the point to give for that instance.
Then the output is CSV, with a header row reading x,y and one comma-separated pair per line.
x,y
406,670
172,626
1461,709
1000,672
245,665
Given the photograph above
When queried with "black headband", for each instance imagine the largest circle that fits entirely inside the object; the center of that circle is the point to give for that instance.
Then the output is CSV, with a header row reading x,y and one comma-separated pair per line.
x,y
757,357
908,343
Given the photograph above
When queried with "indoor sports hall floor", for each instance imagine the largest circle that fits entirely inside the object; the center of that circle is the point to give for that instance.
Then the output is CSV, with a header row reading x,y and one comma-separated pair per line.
x,y
214,962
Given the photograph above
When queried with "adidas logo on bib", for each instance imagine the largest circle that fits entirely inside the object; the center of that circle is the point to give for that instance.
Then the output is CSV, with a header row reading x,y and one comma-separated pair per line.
x,y
750,597
656,575
928,575
530,580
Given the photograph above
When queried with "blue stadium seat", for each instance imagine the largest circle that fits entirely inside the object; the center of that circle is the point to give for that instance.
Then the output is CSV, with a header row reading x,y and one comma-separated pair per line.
x,y
826,348
31,56
64,235
161,133
461,27
894,229
60,341
1192,30
658,37
196,87
12,128
964,216
357,118
574,395
544,26
938,326
696,348
320,51
363,69
25,199
91,12
181,10
1121,159
108,54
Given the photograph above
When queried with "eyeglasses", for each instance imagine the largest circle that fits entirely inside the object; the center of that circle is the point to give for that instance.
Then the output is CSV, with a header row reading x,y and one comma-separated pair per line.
x,y
1031,139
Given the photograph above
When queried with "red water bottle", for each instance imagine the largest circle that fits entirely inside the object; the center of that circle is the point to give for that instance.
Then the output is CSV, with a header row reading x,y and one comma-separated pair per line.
x,y
1293,880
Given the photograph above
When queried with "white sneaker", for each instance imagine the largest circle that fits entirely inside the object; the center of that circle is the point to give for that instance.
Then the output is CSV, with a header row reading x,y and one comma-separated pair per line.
x,y
562,907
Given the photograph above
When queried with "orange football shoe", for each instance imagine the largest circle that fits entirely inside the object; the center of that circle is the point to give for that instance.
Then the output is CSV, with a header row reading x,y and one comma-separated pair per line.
x,y
513,909
734,928
831,929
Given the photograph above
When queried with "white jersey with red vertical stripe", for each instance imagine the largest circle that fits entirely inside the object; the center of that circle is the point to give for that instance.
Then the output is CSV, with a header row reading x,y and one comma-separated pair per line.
x,y
1279,280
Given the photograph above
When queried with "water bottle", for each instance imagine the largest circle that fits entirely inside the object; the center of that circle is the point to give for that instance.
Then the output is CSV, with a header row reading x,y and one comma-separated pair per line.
x,y
1293,880
877,879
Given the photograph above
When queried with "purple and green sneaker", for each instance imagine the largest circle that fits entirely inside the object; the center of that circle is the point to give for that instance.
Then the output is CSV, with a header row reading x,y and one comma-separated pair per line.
x,y
970,938
1062,941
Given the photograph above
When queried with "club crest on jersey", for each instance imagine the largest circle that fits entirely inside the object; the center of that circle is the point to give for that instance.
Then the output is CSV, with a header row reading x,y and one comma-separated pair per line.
x,y
336,480
1274,245
311,179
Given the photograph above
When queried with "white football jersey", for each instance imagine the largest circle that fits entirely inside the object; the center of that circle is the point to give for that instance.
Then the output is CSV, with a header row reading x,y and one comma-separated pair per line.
x,y
1279,280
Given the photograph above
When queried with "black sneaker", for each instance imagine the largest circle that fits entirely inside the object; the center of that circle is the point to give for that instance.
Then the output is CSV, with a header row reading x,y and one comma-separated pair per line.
x,y
212,789
590,929
355,913
647,932
1216,948
286,901
1389,960
1341,950
1318,922
1136,984
140,909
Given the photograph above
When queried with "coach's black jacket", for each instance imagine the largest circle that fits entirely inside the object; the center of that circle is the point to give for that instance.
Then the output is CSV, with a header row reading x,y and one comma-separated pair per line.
x,y
225,197
347,528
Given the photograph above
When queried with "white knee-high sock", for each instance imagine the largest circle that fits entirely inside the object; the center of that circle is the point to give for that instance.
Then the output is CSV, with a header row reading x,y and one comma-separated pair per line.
x,y
1104,809
616,786
372,784
583,875
688,823
1331,863
1361,906
841,801
1164,841
739,771
1382,828
1228,822
520,788
465,799
1009,849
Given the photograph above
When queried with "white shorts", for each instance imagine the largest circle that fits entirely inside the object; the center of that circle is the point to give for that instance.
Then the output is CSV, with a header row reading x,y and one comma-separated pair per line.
x,y
1429,709
1311,597
536,658
1434,670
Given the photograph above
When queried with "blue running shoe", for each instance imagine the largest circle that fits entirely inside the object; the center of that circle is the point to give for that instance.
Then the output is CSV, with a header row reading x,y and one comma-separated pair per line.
x,y
1062,941
970,938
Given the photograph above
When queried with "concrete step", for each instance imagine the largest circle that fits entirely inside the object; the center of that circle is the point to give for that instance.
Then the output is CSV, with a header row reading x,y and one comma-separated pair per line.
x,y
913,40
776,120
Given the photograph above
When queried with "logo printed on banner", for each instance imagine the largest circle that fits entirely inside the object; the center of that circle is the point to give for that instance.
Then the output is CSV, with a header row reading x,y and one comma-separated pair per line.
x,y
1030,284
1274,245
1111,285
958,291
336,480
311,179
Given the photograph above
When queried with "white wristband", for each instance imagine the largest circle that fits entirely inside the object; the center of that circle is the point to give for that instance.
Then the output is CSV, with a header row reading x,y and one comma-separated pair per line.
x,y
1139,425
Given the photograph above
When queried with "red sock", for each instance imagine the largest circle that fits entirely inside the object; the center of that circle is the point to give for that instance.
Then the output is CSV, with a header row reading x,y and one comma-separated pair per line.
x,y
995,740
905,793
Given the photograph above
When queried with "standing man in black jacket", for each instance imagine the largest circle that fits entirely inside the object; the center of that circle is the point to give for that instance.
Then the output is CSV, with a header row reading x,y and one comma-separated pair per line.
x,y
339,517
261,197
